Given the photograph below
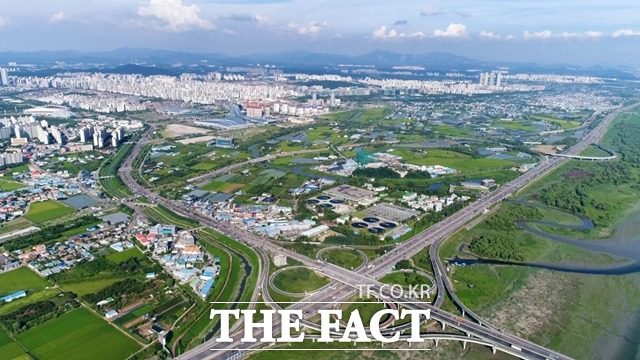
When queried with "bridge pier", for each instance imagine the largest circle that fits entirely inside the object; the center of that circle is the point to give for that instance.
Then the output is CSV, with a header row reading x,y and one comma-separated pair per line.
x,y
443,326
464,345
463,313
493,349
436,340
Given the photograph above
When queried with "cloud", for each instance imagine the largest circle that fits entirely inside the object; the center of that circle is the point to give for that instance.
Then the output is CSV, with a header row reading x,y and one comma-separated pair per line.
x,y
452,31
462,13
383,34
490,35
431,10
175,16
625,33
585,35
312,28
259,19
545,34
401,22
57,17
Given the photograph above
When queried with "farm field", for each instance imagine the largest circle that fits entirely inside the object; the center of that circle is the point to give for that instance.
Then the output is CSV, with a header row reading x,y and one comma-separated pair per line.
x,y
9,349
76,334
47,210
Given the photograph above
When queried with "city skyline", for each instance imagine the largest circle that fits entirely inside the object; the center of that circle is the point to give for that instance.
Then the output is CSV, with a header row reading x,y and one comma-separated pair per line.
x,y
548,32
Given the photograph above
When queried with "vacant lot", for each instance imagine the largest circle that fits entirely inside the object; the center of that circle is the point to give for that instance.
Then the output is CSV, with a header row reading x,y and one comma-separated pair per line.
x,y
47,210
195,140
177,130
75,335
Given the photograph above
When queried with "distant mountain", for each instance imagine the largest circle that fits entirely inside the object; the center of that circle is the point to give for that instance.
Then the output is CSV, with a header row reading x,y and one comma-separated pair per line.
x,y
168,62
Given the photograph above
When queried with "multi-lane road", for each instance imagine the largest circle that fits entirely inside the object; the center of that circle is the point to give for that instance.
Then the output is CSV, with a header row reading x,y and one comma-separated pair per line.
x,y
381,266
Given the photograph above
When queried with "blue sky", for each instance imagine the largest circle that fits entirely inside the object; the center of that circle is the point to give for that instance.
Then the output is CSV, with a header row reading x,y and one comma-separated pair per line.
x,y
544,31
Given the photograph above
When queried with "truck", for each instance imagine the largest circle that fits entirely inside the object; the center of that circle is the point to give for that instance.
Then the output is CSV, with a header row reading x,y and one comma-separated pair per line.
x,y
518,348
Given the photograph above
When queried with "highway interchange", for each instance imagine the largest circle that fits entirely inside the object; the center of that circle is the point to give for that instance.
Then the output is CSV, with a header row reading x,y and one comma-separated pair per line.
x,y
345,281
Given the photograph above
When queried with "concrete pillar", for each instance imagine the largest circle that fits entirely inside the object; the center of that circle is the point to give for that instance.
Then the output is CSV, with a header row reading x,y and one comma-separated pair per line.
x,y
443,326
464,344
463,313
436,342
493,349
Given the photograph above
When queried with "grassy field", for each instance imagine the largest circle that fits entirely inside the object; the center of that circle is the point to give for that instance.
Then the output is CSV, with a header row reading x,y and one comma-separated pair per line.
x,y
47,210
6,185
9,349
76,334
90,287
565,124
346,258
125,255
366,310
109,179
163,215
458,161
299,280
21,279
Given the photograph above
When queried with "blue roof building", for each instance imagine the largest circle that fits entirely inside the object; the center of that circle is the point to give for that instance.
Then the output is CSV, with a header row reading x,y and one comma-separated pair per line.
x,y
15,295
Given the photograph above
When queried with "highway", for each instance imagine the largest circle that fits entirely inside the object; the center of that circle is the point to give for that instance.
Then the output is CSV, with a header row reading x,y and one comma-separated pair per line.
x,y
379,267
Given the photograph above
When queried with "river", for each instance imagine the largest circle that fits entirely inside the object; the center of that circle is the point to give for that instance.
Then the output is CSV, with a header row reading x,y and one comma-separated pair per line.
x,y
622,341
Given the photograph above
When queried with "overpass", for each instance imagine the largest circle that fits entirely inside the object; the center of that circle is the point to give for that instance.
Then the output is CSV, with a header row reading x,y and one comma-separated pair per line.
x,y
612,155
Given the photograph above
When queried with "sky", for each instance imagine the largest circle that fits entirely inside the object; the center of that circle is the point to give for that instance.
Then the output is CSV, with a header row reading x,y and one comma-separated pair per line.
x,y
581,32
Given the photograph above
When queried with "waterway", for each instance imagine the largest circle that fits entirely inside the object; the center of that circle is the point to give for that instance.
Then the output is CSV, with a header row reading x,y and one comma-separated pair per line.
x,y
234,303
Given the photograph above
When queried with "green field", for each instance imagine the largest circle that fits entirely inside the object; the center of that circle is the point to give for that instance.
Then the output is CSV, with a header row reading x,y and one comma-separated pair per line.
x,y
366,310
346,258
458,161
47,210
125,255
162,215
204,166
565,124
6,185
90,287
109,179
299,280
76,334
21,279
9,349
